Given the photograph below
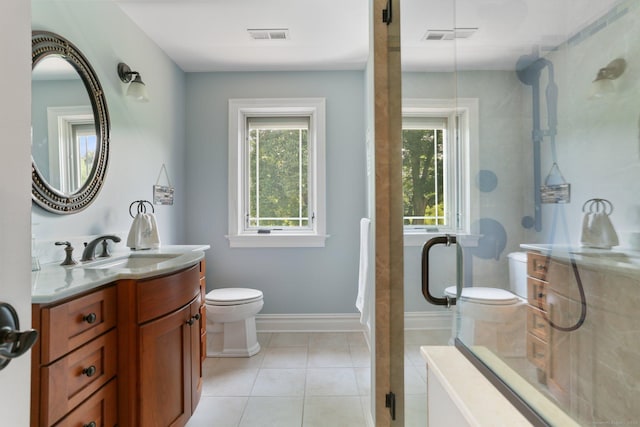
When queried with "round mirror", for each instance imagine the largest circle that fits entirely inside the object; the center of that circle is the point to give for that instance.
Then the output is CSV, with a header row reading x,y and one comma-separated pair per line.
x,y
70,126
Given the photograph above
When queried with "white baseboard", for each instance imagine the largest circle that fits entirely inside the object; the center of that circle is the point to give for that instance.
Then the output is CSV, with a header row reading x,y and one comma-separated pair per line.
x,y
348,322
308,323
428,320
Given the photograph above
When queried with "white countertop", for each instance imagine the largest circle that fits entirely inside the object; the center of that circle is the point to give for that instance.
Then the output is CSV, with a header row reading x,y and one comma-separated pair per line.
x,y
620,260
54,282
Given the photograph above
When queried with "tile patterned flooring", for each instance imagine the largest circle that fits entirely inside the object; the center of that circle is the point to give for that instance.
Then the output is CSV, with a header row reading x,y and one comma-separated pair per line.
x,y
306,379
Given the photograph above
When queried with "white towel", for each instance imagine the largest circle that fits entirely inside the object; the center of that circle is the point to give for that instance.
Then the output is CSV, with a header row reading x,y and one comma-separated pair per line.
x,y
144,232
362,300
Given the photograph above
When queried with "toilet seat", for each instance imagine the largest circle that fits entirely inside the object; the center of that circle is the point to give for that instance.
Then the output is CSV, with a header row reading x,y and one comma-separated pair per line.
x,y
482,295
233,296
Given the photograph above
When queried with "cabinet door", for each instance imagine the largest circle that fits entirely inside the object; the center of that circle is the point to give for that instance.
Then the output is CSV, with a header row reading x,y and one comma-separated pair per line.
x,y
165,369
196,360
562,312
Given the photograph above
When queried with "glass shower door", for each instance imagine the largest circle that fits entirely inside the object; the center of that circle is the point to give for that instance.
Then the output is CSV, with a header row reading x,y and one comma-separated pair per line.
x,y
549,268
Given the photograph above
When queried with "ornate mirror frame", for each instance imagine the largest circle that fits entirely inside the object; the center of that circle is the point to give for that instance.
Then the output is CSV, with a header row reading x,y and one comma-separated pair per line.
x,y
44,43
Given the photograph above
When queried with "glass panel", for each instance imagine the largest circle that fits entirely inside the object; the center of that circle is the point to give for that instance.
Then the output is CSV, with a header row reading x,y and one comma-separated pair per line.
x,y
552,180
557,153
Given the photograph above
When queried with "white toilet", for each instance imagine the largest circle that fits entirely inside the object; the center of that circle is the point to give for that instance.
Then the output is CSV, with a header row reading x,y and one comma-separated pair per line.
x,y
231,322
493,317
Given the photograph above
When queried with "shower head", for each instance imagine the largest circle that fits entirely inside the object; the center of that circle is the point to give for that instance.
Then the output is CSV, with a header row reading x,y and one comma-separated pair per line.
x,y
528,68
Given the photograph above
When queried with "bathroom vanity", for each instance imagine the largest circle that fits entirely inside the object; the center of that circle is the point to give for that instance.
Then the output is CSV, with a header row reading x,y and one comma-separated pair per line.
x,y
579,363
122,342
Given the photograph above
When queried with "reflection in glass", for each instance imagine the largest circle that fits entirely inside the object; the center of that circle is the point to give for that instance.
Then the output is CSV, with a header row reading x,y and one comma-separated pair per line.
x,y
64,140
530,65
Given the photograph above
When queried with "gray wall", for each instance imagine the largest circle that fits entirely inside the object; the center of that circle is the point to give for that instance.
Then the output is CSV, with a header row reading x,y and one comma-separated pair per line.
x,y
143,135
298,280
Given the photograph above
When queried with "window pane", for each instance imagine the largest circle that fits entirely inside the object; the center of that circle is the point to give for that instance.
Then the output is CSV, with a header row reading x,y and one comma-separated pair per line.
x,y
423,176
278,193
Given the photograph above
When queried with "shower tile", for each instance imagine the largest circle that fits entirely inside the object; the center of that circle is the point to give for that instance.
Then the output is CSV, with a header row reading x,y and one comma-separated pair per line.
x,y
333,411
272,411
331,382
218,411
279,382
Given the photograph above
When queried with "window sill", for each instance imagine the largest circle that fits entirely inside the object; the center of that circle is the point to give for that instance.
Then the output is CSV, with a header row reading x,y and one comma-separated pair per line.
x,y
412,238
277,241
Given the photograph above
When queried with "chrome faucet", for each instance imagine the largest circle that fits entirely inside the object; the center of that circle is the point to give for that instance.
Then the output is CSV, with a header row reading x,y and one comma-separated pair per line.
x,y
89,251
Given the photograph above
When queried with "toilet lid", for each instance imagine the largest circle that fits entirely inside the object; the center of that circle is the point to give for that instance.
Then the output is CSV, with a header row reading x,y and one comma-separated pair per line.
x,y
481,295
233,296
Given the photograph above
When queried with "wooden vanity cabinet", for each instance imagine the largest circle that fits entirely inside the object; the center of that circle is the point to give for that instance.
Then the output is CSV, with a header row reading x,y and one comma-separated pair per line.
x,y
160,348
74,362
553,297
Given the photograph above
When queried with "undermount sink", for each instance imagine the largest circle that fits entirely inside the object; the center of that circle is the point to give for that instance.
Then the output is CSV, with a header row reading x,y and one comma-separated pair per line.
x,y
132,261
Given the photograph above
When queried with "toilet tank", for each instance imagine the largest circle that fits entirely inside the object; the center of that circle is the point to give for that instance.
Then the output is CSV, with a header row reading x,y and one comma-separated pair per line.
x,y
518,273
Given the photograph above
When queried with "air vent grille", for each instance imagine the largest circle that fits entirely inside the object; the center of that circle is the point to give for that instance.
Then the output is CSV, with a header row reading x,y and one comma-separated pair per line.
x,y
269,33
456,33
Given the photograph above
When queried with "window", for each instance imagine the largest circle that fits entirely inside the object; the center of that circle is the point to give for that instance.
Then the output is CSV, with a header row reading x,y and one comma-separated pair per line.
x,y
436,157
276,172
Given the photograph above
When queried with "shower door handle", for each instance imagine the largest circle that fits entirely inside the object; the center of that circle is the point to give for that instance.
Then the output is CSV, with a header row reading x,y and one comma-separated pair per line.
x,y
447,239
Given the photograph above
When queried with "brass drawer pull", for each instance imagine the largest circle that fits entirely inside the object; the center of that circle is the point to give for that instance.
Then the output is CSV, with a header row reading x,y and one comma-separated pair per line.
x,y
90,371
91,424
90,318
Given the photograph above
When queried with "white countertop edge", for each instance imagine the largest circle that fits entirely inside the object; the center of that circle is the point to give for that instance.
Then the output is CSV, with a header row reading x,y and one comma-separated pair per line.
x,y
477,399
53,282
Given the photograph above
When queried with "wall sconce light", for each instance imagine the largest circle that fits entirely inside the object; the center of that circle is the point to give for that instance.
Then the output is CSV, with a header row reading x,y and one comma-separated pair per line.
x,y
137,89
603,83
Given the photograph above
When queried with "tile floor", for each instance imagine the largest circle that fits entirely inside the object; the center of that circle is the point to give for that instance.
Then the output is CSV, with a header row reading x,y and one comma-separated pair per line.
x,y
306,379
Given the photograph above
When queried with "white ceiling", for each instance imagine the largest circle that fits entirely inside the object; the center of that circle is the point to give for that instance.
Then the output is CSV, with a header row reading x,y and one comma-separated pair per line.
x,y
211,35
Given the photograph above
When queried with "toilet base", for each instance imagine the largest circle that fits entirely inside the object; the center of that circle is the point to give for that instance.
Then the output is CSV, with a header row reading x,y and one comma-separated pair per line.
x,y
232,339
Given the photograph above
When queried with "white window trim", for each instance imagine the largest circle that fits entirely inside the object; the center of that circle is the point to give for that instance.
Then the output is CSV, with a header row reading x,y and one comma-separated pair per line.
x,y
467,111
239,109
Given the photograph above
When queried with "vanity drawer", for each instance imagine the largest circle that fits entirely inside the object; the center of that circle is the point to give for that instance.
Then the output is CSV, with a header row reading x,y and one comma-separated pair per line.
x,y
537,351
537,293
536,323
537,265
162,295
101,409
69,381
69,325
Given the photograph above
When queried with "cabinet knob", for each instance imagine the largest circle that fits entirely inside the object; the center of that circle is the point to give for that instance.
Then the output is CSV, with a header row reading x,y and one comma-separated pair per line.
x,y
90,318
91,424
193,319
90,371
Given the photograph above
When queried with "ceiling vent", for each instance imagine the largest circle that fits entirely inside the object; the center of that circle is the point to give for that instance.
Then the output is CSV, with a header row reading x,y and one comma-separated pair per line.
x,y
269,33
435,35
456,33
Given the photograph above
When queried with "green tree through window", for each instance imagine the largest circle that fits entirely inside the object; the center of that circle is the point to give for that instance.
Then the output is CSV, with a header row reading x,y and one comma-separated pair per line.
x,y
278,178
423,151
